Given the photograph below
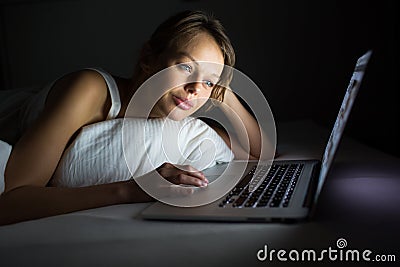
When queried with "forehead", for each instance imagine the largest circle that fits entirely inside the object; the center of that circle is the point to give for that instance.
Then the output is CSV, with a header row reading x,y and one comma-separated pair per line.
x,y
200,46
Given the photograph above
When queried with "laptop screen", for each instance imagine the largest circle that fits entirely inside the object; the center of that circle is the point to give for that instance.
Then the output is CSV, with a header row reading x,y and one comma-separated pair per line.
x,y
341,120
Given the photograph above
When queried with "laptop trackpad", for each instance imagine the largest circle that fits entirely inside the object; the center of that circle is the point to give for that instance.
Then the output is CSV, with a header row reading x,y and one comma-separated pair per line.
x,y
216,171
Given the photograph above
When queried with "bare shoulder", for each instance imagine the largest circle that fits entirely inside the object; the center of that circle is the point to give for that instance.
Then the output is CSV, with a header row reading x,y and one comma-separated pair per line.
x,y
85,91
76,100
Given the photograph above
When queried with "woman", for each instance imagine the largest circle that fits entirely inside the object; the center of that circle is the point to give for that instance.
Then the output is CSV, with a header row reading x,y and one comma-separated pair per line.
x,y
88,96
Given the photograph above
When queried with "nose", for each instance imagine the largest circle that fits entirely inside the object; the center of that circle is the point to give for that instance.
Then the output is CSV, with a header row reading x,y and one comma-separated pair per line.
x,y
193,88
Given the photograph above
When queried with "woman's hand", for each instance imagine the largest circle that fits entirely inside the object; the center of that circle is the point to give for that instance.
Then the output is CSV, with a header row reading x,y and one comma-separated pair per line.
x,y
182,175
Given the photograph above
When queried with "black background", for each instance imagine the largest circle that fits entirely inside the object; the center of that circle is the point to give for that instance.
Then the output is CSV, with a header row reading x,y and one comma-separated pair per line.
x,y
300,53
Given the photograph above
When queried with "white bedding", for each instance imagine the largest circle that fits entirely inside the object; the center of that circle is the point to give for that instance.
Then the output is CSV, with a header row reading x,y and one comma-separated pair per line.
x,y
118,236
96,156
5,150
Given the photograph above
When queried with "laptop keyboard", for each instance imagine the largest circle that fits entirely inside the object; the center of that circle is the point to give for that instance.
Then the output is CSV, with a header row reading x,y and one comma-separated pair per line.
x,y
275,190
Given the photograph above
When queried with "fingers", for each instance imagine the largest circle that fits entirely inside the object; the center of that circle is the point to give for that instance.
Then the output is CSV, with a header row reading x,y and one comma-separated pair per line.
x,y
182,174
189,170
190,180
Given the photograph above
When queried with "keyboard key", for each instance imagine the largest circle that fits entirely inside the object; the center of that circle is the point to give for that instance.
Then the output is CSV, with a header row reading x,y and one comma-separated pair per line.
x,y
275,190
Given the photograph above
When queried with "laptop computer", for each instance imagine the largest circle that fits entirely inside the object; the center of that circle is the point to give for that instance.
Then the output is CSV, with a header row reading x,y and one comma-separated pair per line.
x,y
286,191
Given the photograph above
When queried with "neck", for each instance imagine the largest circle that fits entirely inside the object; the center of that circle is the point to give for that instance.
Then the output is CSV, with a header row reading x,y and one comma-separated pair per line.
x,y
128,89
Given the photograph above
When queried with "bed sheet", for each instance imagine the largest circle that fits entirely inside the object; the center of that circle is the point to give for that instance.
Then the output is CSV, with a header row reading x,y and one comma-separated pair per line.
x,y
118,236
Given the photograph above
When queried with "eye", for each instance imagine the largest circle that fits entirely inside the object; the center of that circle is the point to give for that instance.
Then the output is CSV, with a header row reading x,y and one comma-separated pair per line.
x,y
209,83
186,67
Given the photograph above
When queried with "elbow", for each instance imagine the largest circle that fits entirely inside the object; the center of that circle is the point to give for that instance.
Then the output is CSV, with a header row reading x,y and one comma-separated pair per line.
x,y
10,207
5,216
252,157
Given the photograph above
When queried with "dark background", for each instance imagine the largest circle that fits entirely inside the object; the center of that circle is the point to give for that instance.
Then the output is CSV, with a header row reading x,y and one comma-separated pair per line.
x,y
300,53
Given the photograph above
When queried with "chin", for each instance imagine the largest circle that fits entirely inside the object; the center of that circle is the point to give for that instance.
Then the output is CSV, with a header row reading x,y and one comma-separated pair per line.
x,y
177,116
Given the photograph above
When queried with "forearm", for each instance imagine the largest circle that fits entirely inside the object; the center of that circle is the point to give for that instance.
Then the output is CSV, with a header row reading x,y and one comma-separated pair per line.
x,y
29,202
239,117
233,144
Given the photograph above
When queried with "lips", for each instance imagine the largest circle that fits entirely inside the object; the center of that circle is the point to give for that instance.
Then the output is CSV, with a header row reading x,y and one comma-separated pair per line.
x,y
183,103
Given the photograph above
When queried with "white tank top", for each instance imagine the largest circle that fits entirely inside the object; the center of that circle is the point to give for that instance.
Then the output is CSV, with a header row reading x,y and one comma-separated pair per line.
x,y
19,108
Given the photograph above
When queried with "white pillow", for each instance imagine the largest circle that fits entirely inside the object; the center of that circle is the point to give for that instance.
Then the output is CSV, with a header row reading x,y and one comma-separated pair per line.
x,y
97,156
5,150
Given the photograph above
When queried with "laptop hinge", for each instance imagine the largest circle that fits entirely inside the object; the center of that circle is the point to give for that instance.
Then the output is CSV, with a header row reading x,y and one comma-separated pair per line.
x,y
308,201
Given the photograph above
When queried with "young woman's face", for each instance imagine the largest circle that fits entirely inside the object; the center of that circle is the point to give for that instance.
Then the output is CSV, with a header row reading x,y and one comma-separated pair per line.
x,y
196,66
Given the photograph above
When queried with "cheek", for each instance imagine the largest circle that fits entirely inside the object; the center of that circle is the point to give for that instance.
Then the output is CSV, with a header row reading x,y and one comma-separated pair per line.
x,y
204,96
205,93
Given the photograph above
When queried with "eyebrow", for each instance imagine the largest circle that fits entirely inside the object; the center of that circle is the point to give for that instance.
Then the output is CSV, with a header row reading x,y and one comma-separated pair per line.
x,y
197,63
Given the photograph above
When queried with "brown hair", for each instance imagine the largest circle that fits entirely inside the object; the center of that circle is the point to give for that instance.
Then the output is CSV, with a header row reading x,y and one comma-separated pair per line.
x,y
187,24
